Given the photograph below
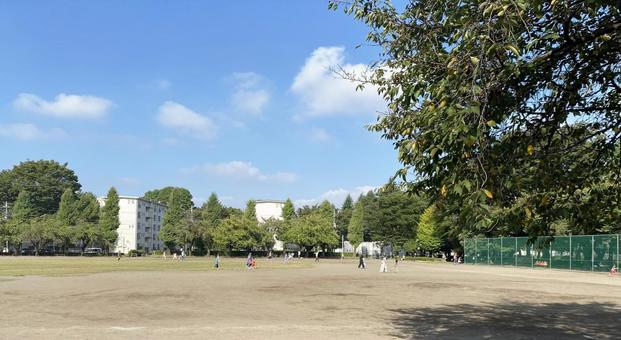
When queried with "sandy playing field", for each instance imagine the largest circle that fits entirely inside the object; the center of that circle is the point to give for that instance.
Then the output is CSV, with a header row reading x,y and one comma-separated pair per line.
x,y
330,300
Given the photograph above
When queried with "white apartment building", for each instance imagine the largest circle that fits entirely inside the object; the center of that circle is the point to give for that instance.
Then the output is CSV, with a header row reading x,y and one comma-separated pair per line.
x,y
140,224
270,209
266,209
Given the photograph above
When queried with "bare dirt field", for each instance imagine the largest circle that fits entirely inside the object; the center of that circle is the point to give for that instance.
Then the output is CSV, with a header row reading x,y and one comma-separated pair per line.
x,y
330,300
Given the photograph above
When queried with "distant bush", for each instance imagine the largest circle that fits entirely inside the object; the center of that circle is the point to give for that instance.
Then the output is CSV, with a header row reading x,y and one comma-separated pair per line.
x,y
135,252
158,252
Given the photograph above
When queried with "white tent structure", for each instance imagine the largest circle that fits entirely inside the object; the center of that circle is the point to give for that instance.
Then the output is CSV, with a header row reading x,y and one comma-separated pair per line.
x,y
369,249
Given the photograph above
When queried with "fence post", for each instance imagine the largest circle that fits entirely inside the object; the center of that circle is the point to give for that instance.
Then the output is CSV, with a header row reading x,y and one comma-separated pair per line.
x,y
501,251
465,250
550,252
488,262
592,252
570,253
476,250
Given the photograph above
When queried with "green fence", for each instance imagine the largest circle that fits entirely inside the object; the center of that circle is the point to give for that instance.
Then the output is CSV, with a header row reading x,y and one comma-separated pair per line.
x,y
586,252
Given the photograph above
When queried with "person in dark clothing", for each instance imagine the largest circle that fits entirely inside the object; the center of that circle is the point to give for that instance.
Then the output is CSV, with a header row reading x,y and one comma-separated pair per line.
x,y
361,263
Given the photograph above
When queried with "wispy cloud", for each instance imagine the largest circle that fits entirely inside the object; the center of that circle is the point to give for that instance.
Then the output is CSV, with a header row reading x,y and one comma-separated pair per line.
x,y
320,135
250,95
163,84
336,196
240,170
183,120
28,132
64,105
322,93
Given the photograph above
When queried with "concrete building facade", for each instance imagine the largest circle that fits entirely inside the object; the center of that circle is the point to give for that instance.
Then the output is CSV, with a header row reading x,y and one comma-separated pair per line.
x,y
140,224
270,209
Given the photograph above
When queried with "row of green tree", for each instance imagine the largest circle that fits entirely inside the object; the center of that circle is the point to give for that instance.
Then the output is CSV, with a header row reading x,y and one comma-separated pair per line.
x,y
390,217
45,207
215,227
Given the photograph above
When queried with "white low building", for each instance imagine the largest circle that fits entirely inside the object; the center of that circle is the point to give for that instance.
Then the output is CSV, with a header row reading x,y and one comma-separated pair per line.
x,y
369,249
140,224
270,209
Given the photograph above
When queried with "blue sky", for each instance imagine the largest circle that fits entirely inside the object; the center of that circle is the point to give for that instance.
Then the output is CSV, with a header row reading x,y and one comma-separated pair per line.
x,y
232,97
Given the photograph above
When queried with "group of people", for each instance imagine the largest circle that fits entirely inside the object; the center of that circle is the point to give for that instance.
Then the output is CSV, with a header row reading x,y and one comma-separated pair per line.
x,y
383,266
251,263
287,256
175,257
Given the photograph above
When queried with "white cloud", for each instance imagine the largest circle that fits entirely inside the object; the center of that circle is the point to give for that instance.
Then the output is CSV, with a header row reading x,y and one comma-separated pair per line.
x,y
336,196
250,101
183,120
64,105
320,135
28,132
323,93
240,170
162,84
247,80
250,95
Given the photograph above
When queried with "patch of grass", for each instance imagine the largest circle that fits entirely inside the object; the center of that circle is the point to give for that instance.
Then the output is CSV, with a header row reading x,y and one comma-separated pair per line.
x,y
61,266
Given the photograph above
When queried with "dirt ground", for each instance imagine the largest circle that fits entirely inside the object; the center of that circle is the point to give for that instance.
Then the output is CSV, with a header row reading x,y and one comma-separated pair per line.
x,y
330,300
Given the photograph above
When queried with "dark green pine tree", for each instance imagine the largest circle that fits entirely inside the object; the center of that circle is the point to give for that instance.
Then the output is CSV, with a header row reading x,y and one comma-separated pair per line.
x,y
355,229
109,221
288,211
250,212
171,232
88,208
344,216
68,210
213,211
23,208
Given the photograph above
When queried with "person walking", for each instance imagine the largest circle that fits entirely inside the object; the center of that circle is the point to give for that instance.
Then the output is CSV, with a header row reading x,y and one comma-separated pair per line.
x,y
217,262
383,268
249,261
396,264
182,254
164,255
361,264
317,256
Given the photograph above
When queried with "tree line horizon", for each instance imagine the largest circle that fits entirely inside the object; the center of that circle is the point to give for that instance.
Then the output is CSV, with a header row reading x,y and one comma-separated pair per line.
x,y
55,210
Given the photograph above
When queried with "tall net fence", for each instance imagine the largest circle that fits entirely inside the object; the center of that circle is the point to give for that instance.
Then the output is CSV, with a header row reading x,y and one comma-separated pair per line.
x,y
586,252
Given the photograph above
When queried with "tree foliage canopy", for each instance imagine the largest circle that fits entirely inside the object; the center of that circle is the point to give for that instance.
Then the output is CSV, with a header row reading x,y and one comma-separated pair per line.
x,y
183,197
508,111
426,237
43,181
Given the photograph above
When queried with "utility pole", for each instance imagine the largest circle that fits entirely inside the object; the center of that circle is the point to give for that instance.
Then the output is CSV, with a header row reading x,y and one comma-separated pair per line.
x,y
6,210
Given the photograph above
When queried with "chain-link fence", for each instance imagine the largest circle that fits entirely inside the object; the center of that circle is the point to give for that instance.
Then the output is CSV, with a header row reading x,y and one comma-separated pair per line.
x,y
593,252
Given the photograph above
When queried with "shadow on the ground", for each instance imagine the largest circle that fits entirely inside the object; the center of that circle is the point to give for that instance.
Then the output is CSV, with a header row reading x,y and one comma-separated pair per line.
x,y
509,320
